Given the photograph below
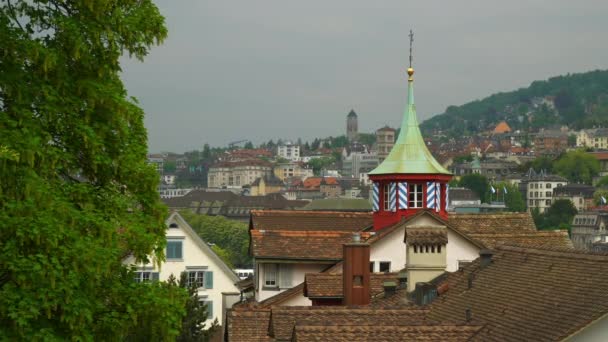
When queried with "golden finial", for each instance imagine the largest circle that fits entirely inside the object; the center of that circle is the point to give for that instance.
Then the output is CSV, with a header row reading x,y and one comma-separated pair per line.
x,y
410,70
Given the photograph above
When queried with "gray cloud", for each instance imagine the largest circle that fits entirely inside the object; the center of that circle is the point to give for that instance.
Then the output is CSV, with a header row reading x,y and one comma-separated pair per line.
x,y
280,69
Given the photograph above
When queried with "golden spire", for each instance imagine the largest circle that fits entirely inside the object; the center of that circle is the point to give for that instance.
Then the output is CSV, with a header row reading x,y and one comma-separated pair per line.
x,y
410,70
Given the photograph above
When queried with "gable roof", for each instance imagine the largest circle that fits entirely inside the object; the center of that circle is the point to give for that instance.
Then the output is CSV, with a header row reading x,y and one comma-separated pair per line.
x,y
176,218
315,182
285,231
528,294
512,228
309,220
301,245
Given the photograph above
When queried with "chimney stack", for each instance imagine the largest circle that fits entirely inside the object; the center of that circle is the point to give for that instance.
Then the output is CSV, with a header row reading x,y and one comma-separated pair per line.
x,y
485,256
356,275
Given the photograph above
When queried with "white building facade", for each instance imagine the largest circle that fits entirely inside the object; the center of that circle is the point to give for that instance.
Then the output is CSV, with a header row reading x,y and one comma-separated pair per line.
x,y
289,151
187,252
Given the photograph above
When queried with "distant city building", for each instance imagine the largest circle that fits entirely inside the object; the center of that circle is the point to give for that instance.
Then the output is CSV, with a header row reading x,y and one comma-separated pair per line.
x,y
237,174
502,128
580,195
266,185
602,157
358,161
550,142
596,138
289,151
492,169
460,197
539,189
293,169
385,140
170,193
352,126
589,227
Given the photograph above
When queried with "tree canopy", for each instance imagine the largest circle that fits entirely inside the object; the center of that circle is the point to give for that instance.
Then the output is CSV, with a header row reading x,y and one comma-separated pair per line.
x,y
76,193
577,166
478,184
232,237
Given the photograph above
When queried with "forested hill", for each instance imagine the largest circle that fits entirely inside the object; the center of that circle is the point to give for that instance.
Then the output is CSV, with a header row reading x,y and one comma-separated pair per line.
x,y
576,100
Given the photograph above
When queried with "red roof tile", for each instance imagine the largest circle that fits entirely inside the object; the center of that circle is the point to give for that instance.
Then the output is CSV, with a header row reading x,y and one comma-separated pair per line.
x,y
302,245
310,220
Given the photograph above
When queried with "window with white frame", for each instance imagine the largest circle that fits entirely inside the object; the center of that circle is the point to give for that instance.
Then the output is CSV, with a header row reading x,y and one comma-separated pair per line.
x,y
196,278
385,197
415,196
270,275
145,276
278,276
385,266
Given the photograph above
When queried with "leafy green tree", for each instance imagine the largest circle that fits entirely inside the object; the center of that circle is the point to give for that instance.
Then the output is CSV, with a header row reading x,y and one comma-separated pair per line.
x,y
463,159
169,166
598,194
193,324
231,237
76,193
248,146
367,138
317,164
603,182
577,166
478,184
559,215
513,198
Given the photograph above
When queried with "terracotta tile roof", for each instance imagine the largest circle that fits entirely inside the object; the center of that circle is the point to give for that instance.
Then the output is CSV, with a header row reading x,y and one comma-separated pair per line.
x,y
538,239
528,294
502,127
309,220
426,235
302,245
507,228
492,223
247,162
296,291
284,232
247,325
315,182
283,319
318,285
384,332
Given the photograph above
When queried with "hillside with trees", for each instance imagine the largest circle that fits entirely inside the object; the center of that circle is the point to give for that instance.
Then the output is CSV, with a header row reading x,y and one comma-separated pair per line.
x,y
577,100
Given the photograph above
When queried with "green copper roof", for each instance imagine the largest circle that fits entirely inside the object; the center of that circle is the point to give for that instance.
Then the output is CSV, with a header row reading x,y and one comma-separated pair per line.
x,y
410,155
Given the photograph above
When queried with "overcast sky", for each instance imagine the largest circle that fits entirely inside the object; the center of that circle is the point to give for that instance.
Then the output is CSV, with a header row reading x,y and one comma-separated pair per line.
x,y
233,70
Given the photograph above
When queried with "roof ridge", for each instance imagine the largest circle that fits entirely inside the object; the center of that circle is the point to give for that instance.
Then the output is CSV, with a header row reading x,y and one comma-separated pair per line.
x,y
556,252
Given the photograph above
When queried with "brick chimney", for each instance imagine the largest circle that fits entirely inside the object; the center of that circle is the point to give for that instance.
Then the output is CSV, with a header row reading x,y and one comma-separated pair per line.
x,y
356,277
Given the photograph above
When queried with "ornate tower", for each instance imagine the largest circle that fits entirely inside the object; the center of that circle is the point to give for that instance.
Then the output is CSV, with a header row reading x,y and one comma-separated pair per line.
x,y
351,126
409,179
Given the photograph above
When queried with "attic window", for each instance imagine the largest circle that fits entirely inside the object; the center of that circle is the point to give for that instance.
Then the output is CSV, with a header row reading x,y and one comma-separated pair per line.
x,y
173,225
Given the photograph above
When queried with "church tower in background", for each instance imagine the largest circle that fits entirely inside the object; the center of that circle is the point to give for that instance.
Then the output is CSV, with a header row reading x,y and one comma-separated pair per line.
x,y
351,126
